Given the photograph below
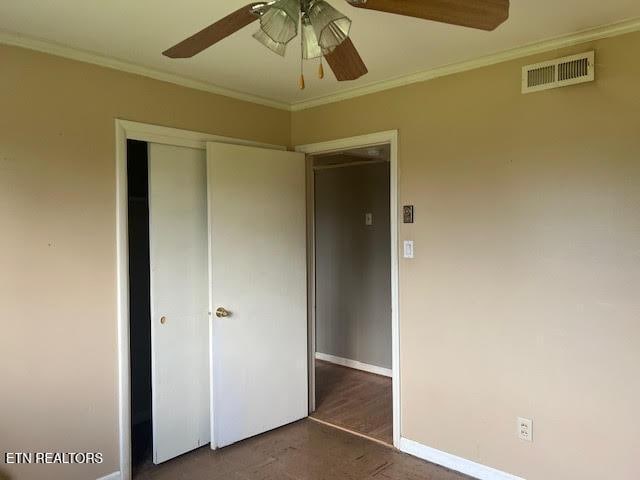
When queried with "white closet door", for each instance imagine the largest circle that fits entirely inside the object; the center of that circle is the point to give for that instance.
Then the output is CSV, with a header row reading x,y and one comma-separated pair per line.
x,y
179,300
258,274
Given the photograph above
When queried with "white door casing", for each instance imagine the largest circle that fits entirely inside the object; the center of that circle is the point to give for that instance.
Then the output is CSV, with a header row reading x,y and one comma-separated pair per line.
x,y
179,299
332,146
257,227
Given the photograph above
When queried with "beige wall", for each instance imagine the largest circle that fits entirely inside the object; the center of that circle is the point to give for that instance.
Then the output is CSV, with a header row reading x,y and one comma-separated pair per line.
x,y
523,296
522,299
58,360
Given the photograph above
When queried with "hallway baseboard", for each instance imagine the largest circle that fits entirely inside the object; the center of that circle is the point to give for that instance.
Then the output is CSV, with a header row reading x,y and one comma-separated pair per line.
x,y
347,362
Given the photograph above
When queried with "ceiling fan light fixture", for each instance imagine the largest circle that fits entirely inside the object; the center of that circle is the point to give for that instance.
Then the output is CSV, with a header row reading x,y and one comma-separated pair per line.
x,y
310,47
324,31
280,21
267,41
331,27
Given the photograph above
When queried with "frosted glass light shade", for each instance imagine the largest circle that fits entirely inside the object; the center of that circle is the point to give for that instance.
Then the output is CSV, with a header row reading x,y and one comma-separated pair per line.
x,y
331,26
280,21
310,46
277,47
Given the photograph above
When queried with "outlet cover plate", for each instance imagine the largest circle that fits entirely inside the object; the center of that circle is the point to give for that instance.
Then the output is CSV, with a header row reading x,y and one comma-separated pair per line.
x,y
525,429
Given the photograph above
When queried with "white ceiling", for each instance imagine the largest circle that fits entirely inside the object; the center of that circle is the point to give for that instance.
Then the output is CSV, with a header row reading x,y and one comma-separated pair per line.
x,y
137,31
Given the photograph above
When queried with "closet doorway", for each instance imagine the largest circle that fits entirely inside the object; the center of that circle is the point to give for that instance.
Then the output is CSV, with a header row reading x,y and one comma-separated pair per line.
x,y
212,207
168,301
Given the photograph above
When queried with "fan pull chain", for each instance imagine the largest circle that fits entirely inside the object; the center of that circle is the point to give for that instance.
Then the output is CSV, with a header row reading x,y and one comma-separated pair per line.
x,y
301,84
320,70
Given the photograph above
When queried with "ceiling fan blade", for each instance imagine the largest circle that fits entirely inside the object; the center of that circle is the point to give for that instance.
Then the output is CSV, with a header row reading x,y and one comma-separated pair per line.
x,y
345,61
481,14
214,33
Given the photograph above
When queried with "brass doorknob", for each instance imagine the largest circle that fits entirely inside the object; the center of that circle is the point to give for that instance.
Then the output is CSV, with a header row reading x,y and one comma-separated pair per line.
x,y
222,312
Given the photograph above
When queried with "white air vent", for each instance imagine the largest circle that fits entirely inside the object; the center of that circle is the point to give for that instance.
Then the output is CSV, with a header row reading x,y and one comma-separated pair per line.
x,y
558,73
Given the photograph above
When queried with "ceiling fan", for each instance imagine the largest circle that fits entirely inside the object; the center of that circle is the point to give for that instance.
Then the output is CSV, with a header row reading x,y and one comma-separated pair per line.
x,y
324,31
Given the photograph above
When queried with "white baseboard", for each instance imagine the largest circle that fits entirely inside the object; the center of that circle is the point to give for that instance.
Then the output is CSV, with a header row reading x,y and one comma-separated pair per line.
x,y
452,462
347,362
111,476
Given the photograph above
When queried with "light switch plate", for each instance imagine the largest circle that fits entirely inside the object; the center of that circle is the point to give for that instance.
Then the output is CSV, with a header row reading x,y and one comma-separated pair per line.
x,y
368,218
408,249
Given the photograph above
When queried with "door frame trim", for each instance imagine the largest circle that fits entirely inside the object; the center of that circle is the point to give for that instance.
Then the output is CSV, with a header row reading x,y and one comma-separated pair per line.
x,y
129,130
389,137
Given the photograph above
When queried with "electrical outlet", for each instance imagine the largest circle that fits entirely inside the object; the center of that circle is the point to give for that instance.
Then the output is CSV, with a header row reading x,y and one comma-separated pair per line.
x,y
525,429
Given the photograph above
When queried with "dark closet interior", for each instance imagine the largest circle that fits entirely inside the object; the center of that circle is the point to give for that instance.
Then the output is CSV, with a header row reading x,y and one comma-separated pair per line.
x,y
139,302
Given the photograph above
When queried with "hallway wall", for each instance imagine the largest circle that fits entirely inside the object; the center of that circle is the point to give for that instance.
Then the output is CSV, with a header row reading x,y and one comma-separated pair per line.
x,y
353,279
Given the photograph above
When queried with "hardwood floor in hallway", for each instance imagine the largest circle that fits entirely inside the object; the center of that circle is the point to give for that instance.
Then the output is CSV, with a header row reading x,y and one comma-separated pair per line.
x,y
358,401
305,450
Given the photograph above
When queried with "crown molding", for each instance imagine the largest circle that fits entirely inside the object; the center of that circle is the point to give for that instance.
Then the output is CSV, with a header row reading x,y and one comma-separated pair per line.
x,y
611,30
606,31
56,49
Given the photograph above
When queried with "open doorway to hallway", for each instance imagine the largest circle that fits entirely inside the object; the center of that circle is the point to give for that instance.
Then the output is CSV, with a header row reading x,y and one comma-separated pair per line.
x,y
352,283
